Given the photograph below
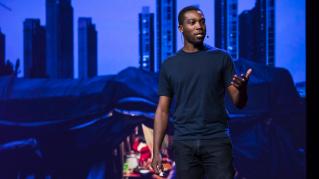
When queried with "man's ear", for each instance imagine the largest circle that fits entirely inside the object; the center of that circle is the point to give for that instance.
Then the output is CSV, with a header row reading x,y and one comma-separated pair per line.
x,y
180,28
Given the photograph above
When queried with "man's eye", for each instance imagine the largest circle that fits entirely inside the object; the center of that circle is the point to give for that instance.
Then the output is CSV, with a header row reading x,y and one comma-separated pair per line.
x,y
191,22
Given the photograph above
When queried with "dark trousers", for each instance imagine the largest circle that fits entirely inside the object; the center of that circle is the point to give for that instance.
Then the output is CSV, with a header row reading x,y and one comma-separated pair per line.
x,y
199,159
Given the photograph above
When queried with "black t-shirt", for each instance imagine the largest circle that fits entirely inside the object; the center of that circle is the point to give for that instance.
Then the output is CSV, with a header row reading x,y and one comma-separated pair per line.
x,y
198,82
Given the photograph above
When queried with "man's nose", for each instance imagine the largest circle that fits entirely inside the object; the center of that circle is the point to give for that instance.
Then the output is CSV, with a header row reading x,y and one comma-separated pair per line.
x,y
199,25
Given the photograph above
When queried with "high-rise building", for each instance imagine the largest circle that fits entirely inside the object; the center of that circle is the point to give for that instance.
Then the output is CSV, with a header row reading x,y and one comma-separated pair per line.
x,y
226,25
166,30
146,40
2,50
87,48
34,49
266,19
257,33
59,38
247,37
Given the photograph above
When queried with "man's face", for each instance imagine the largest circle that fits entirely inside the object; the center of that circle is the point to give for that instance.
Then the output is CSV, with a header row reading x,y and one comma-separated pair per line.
x,y
193,27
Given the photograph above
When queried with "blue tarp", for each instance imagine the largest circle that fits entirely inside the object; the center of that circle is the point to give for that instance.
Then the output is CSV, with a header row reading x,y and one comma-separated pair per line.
x,y
75,123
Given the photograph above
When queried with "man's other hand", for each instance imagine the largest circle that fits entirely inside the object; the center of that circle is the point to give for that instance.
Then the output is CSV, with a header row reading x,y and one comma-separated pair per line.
x,y
157,163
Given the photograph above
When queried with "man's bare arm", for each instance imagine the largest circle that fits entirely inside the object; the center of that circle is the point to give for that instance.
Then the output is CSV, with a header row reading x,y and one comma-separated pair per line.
x,y
160,126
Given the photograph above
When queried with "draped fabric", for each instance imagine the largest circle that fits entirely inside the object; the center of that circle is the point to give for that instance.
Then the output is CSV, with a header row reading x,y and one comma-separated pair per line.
x,y
69,126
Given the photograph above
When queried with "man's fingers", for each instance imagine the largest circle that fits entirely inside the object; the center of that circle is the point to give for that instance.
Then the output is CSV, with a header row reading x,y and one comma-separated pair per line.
x,y
235,84
153,165
160,168
248,73
157,167
238,82
238,79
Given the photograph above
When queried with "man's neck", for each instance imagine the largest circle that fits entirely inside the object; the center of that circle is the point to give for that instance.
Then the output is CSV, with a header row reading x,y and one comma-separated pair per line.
x,y
191,48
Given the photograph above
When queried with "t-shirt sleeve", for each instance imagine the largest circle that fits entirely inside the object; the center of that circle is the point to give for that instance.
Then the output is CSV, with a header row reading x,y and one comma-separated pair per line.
x,y
229,70
164,85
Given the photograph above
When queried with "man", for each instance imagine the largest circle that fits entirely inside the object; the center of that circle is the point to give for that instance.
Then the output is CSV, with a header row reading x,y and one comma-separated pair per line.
x,y
198,76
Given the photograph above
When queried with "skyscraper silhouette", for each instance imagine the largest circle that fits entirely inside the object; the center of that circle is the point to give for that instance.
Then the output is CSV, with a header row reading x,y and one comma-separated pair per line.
x,y
146,40
34,49
226,25
87,48
59,38
257,33
166,29
247,35
2,50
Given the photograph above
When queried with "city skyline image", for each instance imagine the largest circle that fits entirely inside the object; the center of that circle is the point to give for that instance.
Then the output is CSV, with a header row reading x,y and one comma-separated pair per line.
x,y
120,31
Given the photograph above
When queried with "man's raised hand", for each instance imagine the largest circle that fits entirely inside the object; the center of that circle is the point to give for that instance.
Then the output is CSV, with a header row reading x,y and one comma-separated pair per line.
x,y
240,82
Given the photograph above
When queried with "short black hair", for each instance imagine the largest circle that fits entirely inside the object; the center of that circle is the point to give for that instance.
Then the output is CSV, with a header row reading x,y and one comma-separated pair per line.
x,y
184,10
